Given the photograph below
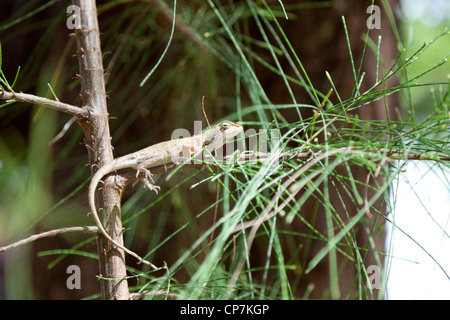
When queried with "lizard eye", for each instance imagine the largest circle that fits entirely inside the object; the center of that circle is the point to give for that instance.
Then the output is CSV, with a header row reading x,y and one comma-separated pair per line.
x,y
225,125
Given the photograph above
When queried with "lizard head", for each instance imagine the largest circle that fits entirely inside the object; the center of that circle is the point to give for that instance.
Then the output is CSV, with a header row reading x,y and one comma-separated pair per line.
x,y
216,136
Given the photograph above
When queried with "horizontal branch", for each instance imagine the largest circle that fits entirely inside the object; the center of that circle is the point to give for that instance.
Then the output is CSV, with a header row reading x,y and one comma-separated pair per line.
x,y
151,294
267,214
46,234
388,155
60,106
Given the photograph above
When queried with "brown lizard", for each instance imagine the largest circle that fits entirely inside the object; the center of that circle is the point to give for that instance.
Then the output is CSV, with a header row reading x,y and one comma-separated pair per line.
x,y
157,155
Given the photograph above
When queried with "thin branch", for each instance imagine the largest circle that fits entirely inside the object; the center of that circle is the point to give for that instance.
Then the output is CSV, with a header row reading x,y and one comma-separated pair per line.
x,y
130,177
180,26
63,131
122,44
317,157
303,156
46,234
159,293
60,106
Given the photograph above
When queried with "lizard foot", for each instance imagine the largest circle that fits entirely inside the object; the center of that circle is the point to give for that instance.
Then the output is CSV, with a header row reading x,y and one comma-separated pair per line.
x,y
145,175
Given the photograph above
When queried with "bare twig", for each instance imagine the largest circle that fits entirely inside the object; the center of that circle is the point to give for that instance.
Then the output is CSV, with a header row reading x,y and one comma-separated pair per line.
x,y
46,234
302,156
385,155
60,106
121,45
159,293
180,26
63,131
267,214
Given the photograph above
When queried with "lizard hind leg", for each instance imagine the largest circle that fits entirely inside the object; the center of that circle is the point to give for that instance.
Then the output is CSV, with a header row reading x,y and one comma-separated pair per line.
x,y
144,175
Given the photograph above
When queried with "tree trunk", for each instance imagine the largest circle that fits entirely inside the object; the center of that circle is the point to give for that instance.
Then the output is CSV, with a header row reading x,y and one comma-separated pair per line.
x,y
98,143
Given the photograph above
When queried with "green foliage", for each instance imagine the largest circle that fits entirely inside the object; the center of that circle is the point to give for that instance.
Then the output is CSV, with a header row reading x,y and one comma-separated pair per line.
x,y
215,262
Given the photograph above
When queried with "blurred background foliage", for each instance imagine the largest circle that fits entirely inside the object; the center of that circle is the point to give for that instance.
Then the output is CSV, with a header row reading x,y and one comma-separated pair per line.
x,y
43,186
420,22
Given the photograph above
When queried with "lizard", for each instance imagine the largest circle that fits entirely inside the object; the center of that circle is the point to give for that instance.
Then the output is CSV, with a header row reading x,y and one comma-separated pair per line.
x,y
156,155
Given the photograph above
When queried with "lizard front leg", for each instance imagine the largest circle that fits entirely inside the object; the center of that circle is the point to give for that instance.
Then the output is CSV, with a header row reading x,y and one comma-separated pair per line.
x,y
144,175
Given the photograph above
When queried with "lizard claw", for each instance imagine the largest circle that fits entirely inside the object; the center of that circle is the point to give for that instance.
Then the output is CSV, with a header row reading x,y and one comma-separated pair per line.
x,y
145,175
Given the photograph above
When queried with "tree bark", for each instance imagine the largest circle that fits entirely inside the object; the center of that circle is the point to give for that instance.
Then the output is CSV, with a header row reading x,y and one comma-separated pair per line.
x,y
98,143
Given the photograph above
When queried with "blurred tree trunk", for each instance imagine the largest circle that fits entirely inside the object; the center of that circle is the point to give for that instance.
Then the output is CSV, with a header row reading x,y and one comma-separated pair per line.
x,y
318,37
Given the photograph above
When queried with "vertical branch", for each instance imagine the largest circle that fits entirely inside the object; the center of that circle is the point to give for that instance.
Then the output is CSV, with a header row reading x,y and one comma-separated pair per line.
x,y
98,143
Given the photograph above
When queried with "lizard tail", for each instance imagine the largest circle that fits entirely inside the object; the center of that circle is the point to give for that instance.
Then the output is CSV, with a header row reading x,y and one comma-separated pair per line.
x,y
92,187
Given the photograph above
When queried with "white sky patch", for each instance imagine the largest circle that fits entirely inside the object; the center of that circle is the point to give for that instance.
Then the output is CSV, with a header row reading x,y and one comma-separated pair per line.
x,y
430,12
421,208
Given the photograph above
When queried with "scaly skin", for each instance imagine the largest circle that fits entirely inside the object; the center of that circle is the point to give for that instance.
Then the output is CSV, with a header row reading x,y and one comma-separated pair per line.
x,y
157,155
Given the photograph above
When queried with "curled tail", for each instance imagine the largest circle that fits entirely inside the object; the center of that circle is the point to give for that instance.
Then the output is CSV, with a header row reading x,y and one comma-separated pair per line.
x,y
92,187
